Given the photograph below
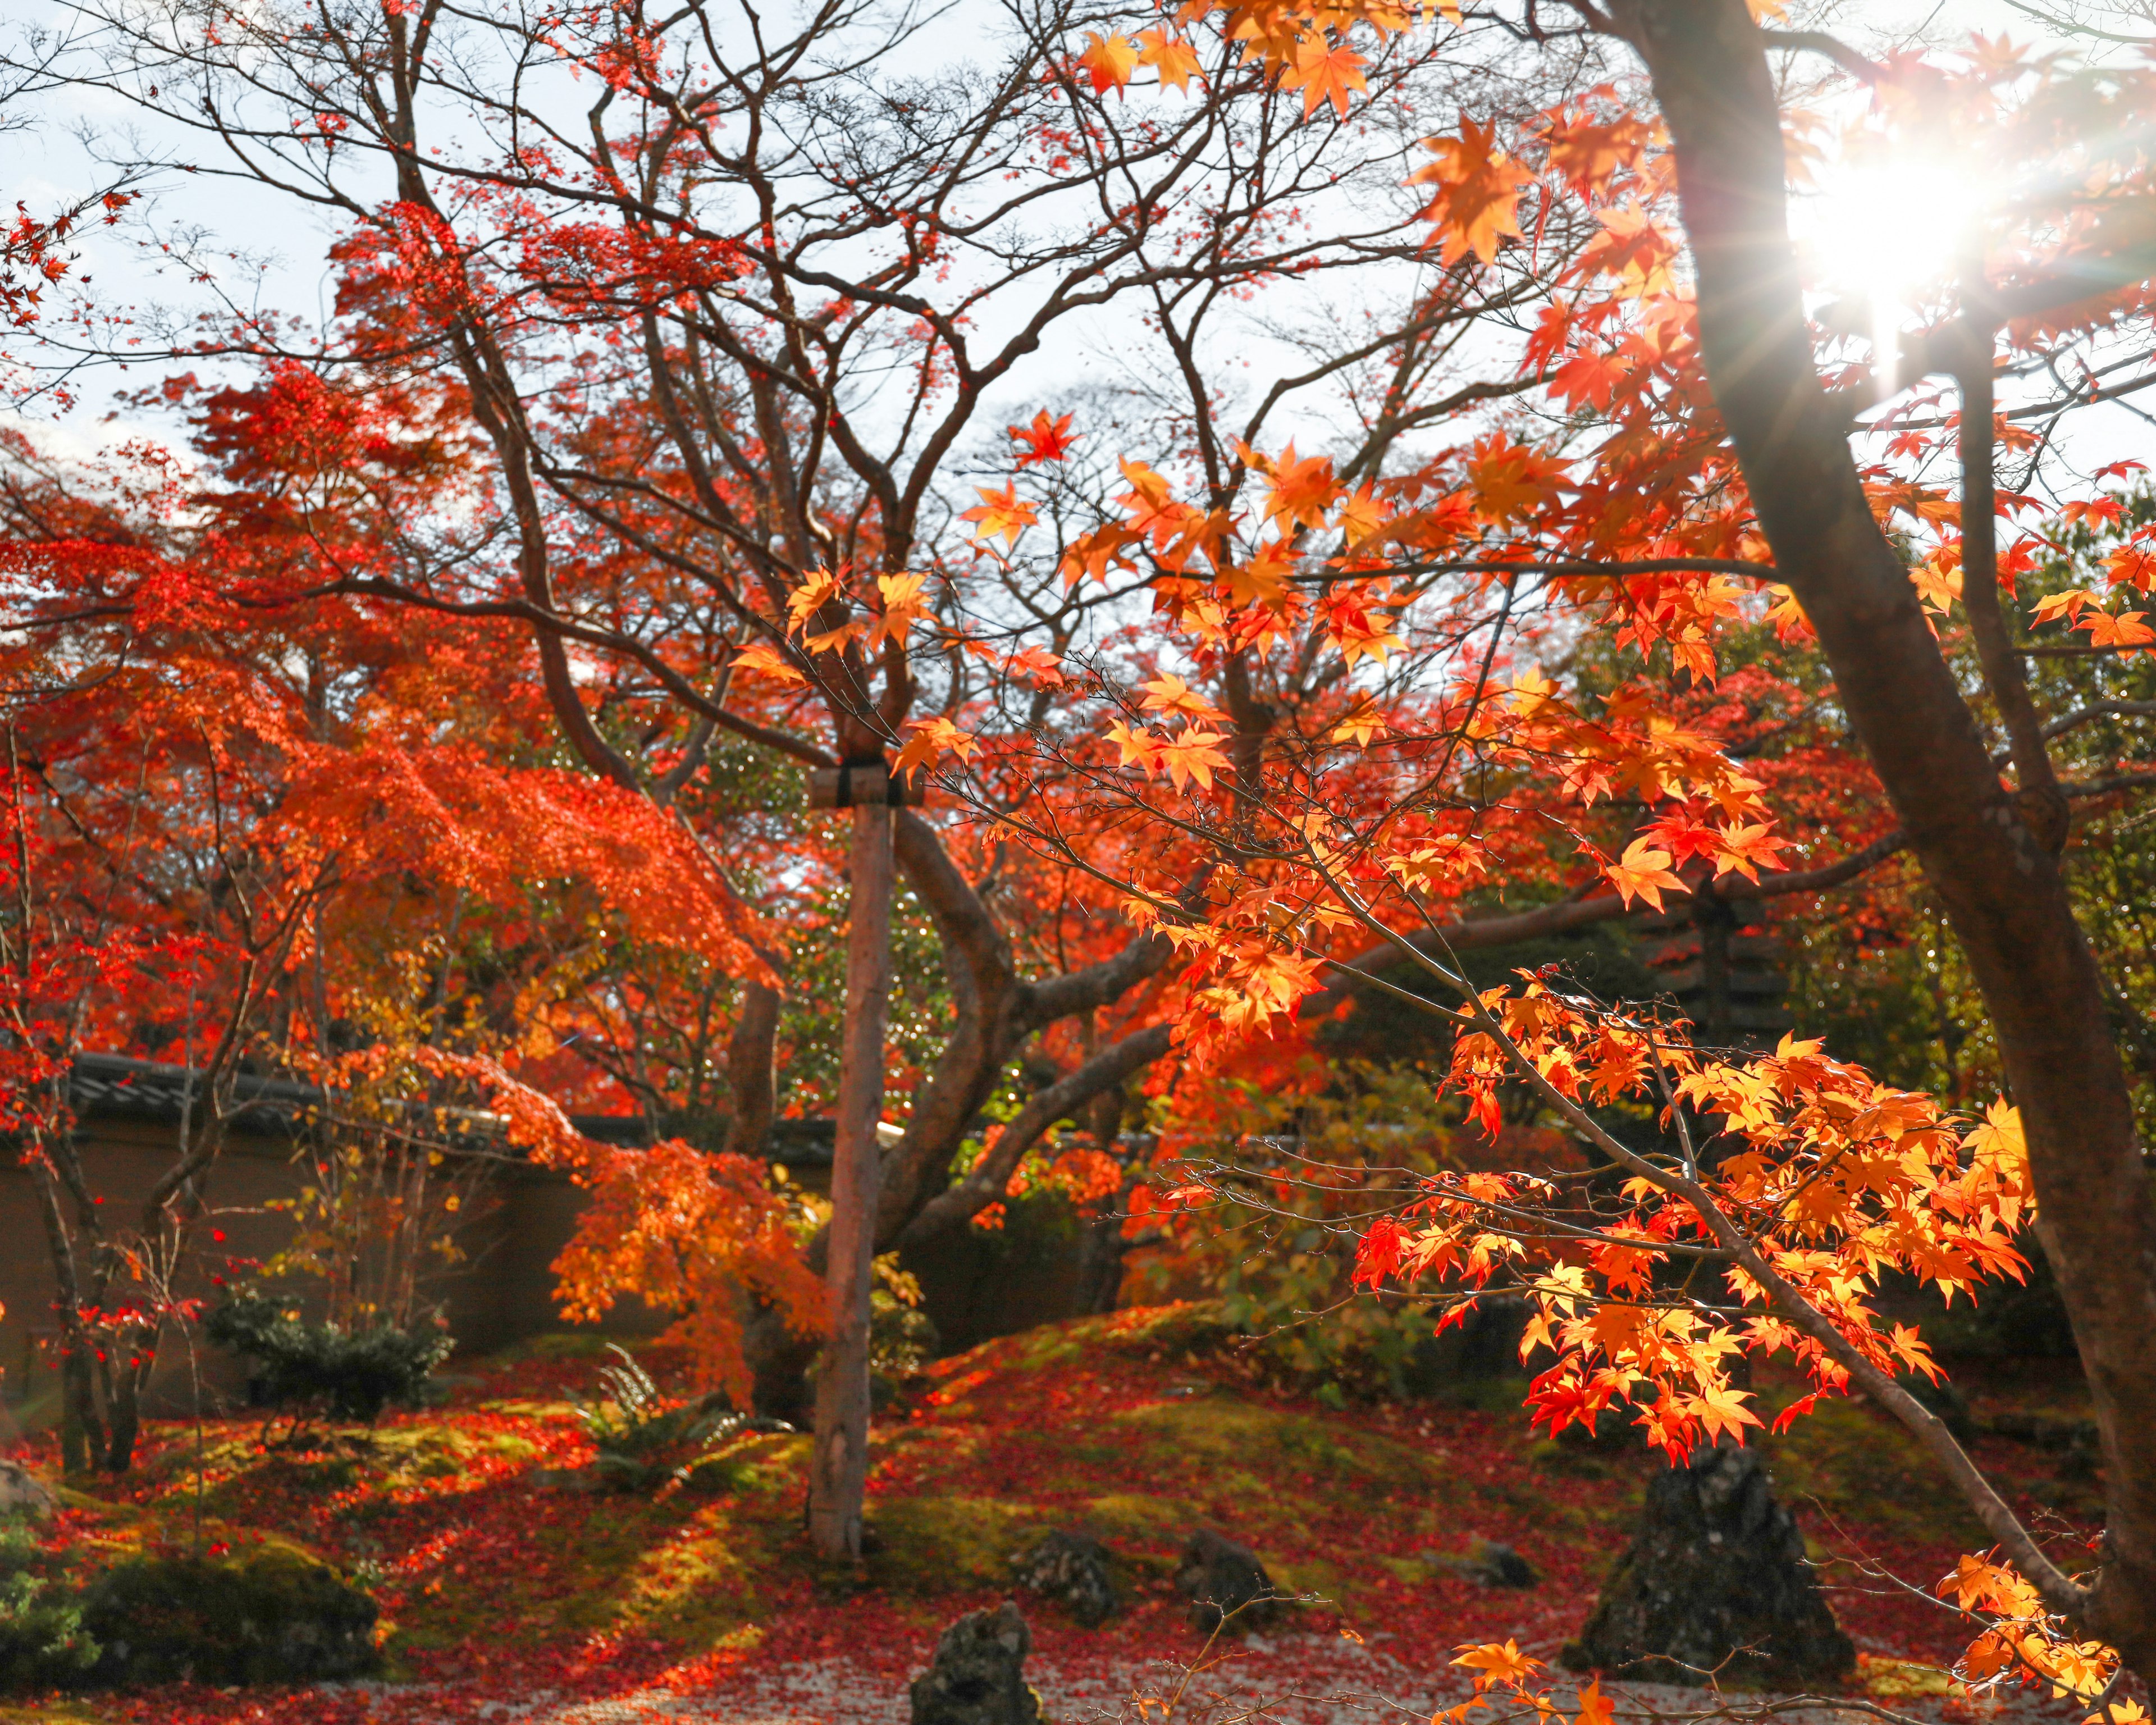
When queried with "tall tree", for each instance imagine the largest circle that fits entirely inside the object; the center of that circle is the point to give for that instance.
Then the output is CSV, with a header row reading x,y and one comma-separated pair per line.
x,y
1718,416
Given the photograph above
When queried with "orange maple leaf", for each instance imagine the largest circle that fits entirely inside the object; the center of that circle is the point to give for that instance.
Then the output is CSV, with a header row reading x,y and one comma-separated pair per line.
x,y
932,737
1302,490
1109,61
1002,514
1263,580
1324,73
1477,195
1495,1664
2126,629
1643,872
1173,58
1045,439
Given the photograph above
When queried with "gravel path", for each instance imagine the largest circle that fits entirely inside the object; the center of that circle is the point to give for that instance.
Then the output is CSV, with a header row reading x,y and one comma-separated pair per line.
x,y
1288,1680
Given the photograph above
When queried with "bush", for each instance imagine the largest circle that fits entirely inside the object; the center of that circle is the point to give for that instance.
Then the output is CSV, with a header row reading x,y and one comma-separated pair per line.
x,y
349,1374
43,1643
643,1437
271,1615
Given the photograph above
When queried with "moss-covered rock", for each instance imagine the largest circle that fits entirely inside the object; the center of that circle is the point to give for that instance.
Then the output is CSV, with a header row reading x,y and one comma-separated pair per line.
x,y
271,1614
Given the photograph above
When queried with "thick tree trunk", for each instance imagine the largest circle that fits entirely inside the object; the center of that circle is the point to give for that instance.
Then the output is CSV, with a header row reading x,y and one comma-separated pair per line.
x,y
2002,891
839,1469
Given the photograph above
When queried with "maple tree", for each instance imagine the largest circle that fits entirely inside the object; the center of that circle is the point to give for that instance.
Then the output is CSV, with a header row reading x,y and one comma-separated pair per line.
x,y
717,410
711,509
204,866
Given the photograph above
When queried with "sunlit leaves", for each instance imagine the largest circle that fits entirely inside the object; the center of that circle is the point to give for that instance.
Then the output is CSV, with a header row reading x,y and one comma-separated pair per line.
x,y
1002,515
1108,61
1475,192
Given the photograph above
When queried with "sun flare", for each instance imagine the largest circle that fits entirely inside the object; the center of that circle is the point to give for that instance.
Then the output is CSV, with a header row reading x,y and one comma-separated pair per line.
x,y
1893,231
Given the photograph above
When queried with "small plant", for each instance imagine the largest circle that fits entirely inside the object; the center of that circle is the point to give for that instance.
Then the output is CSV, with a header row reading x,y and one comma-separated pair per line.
x,y
43,1641
643,1437
348,1374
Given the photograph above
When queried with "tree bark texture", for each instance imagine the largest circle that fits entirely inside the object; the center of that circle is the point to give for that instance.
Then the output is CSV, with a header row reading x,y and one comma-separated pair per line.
x,y
2001,889
839,1473
752,1069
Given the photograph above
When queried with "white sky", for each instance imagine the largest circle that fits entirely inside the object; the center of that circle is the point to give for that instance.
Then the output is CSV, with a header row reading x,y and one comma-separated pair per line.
x,y
269,251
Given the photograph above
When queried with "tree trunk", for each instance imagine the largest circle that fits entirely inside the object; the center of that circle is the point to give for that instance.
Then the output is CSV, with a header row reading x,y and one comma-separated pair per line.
x,y
751,1070
1999,884
838,1471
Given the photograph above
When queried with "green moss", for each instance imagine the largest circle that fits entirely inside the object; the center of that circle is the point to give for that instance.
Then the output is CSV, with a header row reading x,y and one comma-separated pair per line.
x,y
1216,1436
557,1345
1855,1461
935,1544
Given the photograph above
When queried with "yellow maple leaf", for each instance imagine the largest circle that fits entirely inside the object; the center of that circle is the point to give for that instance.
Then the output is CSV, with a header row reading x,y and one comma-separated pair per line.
x,y
819,590
766,658
902,603
1192,755
1170,694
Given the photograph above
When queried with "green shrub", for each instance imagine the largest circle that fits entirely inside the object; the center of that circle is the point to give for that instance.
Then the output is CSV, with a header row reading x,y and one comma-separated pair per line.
x,y
349,1374
43,1643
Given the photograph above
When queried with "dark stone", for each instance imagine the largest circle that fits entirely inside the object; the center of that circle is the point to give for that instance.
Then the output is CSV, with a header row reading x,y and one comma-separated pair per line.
x,y
1224,1583
272,1615
1714,1581
1487,1563
1073,1569
976,1677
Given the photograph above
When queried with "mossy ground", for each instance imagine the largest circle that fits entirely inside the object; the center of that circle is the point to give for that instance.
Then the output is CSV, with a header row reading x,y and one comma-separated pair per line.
x,y
1140,1426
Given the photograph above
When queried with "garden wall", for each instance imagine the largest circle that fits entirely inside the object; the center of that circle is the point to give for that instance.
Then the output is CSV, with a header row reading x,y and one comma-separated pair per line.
x,y
501,1292
975,1286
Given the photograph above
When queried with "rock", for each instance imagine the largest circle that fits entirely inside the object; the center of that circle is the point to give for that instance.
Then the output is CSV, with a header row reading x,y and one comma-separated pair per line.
x,y
976,1677
23,1495
1488,1564
1224,1582
1715,1580
1073,1569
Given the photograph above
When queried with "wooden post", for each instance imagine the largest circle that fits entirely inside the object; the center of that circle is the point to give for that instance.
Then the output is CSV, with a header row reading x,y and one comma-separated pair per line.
x,y
839,1470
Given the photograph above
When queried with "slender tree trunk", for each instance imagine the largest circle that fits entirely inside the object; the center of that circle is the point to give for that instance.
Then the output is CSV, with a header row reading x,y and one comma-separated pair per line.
x,y
839,1472
751,1076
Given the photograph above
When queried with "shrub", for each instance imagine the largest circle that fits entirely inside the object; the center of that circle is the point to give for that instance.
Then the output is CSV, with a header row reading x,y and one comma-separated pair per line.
x,y
43,1643
349,1374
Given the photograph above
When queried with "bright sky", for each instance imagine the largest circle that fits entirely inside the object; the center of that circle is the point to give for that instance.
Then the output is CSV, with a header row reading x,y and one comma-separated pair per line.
x,y
269,250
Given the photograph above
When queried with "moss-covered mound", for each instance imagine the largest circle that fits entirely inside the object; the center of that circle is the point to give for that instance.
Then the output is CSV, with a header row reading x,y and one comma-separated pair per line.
x,y
272,1614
